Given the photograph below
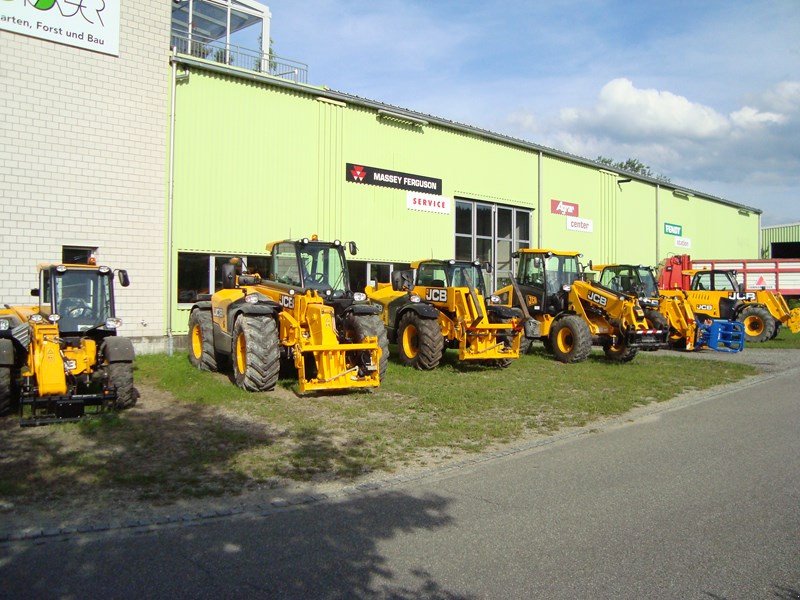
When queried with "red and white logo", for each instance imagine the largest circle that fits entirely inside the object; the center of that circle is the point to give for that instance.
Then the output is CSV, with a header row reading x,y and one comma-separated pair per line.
x,y
358,173
559,207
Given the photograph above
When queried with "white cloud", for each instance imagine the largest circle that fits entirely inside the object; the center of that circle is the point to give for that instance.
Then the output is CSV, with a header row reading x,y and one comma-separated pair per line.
x,y
633,112
749,117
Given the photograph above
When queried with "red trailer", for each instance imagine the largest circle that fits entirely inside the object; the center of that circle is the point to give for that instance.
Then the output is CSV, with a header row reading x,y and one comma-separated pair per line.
x,y
774,274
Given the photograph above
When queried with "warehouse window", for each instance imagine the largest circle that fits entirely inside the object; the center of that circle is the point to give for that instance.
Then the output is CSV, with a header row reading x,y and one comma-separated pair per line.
x,y
200,273
490,233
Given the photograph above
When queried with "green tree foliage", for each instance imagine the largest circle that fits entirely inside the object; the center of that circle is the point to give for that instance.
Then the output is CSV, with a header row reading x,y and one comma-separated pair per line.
x,y
634,165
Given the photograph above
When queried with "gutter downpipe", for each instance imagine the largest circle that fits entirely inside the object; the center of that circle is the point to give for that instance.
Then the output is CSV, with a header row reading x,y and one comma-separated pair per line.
x,y
170,339
658,233
539,206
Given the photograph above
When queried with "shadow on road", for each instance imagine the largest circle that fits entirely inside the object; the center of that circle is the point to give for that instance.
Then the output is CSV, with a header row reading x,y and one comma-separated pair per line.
x,y
319,551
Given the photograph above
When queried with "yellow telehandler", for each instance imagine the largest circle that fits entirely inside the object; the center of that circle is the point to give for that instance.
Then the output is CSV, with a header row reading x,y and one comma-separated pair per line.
x,y
63,355
446,307
301,311
574,313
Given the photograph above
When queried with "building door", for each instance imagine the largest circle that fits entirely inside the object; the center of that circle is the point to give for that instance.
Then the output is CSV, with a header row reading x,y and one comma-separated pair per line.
x,y
490,233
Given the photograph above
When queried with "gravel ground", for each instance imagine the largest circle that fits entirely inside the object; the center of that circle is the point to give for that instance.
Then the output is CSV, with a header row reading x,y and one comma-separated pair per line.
x,y
769,361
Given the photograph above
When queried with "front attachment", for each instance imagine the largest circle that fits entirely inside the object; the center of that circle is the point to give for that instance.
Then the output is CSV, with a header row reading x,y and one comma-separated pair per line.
x,y
339,367
721,335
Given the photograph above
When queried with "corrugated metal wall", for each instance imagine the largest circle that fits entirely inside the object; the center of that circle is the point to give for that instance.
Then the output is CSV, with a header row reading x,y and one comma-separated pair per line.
x,y
780,234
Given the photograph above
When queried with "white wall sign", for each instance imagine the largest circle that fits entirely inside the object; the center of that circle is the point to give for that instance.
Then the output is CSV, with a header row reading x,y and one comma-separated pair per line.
x,y
576,224
682,242
90,24
428,202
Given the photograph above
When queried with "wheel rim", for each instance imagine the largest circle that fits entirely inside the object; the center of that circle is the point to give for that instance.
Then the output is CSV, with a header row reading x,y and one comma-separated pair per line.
x,y
564,340
197,341
410,341
241,353
754,325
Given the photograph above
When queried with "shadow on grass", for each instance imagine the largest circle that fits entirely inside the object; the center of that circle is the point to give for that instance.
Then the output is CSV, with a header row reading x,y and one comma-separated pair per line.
x,y
335,550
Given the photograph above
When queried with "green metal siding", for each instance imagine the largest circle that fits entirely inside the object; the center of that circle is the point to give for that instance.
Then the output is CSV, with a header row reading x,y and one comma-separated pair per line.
x,y
715,230
779,234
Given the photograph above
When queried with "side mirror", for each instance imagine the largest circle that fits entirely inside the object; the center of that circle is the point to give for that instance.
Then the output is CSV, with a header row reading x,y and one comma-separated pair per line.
x,y
515,254
352,248
35,292
590,265
124,280
488,267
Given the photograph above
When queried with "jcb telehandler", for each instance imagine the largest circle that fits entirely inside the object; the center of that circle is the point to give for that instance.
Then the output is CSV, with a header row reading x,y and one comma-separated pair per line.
x,y
445,307
673,312
63,355
301,311
574,313
715,294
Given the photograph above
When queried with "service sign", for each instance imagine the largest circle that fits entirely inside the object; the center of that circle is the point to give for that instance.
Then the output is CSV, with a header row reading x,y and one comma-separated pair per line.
x,y
428,203
682,242
89,24
575,224
559,207
672,229
393,179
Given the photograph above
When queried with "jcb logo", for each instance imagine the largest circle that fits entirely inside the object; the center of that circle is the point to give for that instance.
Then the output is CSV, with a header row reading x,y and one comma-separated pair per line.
x,y
704,307
598,299
218,313
287,301
436,295
532,300
737,296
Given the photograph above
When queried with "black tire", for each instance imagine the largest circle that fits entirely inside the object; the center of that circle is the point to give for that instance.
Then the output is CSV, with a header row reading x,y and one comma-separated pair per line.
x,y
419,342
5,389
655,319
570,339
120,375
201,341
548,347
364,326
777,329
620,353
759,325
507,338
256,353
525,345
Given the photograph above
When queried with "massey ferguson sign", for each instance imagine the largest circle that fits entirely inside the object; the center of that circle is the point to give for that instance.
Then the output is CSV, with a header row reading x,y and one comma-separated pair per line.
x,y
559,207
393,179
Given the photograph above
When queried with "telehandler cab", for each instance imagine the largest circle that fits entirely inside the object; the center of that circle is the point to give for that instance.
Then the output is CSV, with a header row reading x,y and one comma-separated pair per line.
x,y
63,355
446,308
672,312
301,311
574,313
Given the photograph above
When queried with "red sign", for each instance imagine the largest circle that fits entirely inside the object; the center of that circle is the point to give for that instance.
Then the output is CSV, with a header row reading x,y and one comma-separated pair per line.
x,y
559,207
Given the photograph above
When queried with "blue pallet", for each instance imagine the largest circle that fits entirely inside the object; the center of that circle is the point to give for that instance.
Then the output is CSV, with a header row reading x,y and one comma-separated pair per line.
x,y
721,335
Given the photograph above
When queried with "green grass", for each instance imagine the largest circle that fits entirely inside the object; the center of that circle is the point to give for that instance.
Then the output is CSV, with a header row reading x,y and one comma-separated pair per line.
x,y
784,339
196,434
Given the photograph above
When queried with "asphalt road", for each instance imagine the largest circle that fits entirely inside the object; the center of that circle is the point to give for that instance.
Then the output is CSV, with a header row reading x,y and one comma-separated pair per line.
x,y
696,499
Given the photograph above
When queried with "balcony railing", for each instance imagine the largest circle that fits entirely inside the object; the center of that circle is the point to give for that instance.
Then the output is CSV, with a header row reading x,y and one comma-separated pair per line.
x,y
243,58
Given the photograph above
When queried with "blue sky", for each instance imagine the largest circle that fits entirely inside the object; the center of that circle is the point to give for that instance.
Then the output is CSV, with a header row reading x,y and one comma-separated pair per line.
x,y
707,93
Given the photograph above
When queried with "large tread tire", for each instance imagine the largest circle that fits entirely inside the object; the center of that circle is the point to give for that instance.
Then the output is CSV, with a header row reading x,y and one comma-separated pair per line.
x,y
777,330
655,319
759,325
201,341
570,339
419,342
364,326
5,390
256,353
620,353
120,375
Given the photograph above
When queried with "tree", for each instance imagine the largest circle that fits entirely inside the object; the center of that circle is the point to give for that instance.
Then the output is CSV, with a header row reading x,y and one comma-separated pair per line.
x,y
634,165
